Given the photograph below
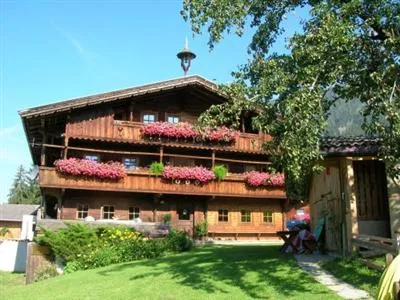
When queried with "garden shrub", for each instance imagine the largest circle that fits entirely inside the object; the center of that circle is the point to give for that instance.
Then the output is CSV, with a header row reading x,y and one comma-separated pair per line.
x,y
83,247
167,218
179,241
201,229
70,243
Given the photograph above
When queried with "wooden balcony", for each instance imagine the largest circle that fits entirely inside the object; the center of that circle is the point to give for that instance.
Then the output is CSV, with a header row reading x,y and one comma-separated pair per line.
x,y
106,129
231,186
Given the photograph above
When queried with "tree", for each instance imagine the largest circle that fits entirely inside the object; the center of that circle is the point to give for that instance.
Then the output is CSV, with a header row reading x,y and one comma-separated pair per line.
x,y
25,189
349,49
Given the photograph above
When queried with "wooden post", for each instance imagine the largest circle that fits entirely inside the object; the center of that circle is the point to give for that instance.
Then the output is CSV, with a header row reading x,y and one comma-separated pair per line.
x,y
131,112
66,140
43,151
213,159
351,203
161,154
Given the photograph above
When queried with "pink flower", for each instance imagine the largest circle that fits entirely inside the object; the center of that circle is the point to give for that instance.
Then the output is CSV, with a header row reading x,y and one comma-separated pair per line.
x,y
185,130
87,168
258,179
203,175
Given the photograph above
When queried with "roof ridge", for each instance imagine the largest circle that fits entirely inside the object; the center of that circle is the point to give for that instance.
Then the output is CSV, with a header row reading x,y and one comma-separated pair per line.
x,y
124,92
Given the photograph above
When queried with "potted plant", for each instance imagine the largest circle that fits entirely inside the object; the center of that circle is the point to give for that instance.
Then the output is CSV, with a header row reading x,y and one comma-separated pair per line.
x,y
157,168
220,172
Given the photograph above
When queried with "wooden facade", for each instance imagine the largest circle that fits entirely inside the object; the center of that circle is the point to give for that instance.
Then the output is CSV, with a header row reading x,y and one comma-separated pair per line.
x,y
352,195
107,127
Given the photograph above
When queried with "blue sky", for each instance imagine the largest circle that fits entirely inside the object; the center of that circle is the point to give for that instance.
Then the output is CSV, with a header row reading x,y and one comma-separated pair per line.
x,y
52,51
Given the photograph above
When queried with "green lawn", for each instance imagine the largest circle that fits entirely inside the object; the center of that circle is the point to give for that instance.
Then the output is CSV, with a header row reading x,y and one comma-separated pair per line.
x,y
214,272
354,272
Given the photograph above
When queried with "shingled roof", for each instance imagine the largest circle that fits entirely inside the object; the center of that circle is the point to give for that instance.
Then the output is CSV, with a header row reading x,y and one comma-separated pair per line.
x,y
80,102
14,212
350,146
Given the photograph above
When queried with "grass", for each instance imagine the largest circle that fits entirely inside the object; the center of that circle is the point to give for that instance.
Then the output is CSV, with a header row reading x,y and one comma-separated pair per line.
x,y
354,272
214,272
9,281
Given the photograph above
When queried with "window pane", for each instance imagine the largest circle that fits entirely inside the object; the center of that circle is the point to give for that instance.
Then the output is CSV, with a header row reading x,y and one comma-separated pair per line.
x,y
267,217
134,213
149,118
130,163
173,119
108,212
94,158
223,215
183,214
245,216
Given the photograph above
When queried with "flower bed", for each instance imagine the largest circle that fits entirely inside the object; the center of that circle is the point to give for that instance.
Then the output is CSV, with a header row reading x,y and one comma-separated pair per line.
x,y
260,179
90,169
200,174
184,131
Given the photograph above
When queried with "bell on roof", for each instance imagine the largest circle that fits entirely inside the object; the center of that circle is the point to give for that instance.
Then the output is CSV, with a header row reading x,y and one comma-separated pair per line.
x,y
186,56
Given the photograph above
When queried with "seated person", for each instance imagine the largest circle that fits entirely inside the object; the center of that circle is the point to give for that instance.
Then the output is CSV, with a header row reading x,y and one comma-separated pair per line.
x,y
304,240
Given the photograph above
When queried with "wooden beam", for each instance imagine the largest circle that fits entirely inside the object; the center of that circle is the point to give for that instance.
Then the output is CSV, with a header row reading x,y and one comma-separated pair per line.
x,y
43,152
244,161
161,154
213,159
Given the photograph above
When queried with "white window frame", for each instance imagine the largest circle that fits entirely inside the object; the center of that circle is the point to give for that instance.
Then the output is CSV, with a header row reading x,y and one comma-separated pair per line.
x,y
111,215
134,214
80,211
144,113
272,216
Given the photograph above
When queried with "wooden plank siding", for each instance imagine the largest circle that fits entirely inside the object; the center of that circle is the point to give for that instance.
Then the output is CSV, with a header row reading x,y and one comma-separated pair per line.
x,y
105,128
371,191
140,182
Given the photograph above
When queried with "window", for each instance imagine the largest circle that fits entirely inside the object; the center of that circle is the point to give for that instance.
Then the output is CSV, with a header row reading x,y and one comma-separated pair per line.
x,y
130,163
133,213
82,211
148,118
267,217
223,215
183,214
90,157
174,119
245,216
108,212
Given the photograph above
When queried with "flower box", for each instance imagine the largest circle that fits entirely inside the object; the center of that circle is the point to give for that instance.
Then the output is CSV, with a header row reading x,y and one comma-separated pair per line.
x,y
262,179
186,174
185,131
90,169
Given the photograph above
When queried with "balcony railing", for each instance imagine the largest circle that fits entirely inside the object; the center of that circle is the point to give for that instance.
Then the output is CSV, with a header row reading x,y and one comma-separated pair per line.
x,y
105,128
231,186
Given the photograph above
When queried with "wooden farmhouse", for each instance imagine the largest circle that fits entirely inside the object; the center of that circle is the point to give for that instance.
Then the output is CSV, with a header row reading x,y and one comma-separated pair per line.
x,y
109,127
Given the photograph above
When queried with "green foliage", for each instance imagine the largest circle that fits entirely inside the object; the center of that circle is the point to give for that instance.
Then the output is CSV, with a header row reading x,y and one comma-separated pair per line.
x,y
220,171
48,271
4,231
83,247
71,243
179,241
25,188
157,168
167,218
348,50
201,229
